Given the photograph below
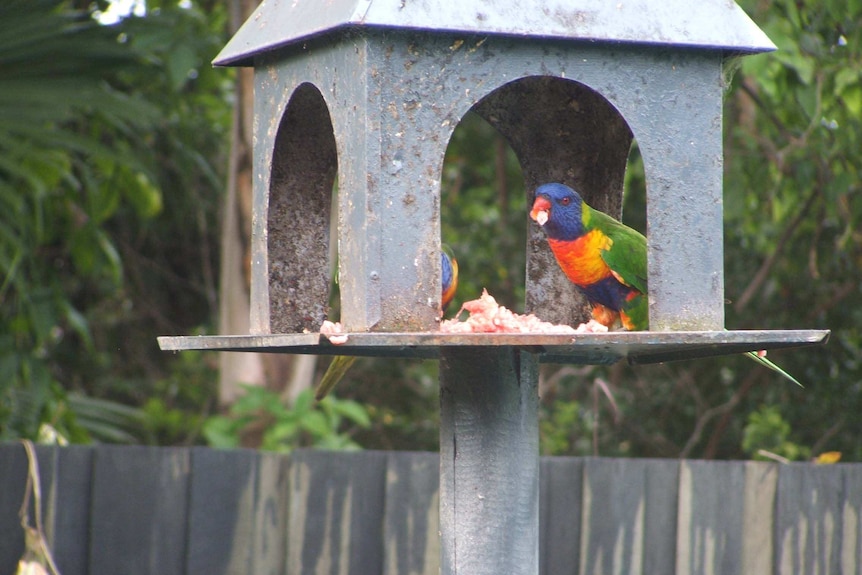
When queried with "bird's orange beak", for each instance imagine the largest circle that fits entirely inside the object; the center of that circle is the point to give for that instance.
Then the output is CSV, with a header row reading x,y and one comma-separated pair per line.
x,y
541,210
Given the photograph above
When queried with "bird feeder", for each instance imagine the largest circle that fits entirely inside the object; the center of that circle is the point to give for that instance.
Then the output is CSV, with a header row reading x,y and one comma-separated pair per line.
x,y
368,92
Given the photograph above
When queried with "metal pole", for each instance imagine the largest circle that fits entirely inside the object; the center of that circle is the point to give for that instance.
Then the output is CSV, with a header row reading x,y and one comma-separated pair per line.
x,y
489,461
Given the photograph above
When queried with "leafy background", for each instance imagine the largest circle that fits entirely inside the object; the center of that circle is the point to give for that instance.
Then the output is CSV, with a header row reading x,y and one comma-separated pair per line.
x,y
113,146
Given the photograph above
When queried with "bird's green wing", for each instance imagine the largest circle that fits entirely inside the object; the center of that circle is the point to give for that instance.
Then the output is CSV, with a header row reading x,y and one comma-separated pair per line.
x,y
627,256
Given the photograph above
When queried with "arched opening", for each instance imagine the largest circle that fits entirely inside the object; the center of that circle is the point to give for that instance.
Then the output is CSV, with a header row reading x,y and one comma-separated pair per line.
x,y
482,207
560,131
304,165
525,133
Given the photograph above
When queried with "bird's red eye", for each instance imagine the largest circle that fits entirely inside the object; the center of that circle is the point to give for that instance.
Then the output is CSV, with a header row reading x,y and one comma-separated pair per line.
x,y
566,201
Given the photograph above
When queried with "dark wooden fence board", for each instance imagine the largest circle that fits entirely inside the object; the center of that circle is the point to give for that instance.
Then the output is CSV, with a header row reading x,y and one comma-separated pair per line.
x,y
197,511
851,528
64,482
221,507
270,515
13,477
336,513
67,487
709,525
560,513
612,526
808,519
140,498
367,482
660,516
412,514
761,483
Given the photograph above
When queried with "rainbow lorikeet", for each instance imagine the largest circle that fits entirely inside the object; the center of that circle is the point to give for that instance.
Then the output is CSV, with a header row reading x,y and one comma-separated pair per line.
x,y
604,258
340,364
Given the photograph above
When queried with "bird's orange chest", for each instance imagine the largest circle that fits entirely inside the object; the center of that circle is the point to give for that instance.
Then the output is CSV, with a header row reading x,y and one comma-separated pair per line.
x,y
581,259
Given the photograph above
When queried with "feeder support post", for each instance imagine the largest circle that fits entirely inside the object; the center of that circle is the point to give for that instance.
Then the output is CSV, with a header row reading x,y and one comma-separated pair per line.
x,y
489,461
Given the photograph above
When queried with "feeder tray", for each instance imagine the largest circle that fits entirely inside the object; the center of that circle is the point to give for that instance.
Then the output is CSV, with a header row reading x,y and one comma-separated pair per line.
x,y
586,349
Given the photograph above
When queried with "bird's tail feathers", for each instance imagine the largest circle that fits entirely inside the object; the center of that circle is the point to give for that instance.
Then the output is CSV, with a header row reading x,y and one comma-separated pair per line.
x,y
761,359
336,370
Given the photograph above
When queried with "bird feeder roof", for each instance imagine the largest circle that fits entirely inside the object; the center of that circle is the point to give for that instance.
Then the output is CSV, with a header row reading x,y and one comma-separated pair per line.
x,y
708,24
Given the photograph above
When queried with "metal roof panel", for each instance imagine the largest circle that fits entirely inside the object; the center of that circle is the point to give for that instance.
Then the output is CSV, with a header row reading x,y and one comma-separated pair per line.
x,y
711,24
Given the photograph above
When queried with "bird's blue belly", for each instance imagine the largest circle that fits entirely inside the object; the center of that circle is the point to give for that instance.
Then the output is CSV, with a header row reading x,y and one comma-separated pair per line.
x,y
609,292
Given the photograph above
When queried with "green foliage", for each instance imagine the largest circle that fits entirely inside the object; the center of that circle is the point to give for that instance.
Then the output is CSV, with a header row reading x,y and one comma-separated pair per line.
x,y
402,400
283,428
52,62
106,421
105,156
565,429
766,436
178,405
483,207
110,139
792,194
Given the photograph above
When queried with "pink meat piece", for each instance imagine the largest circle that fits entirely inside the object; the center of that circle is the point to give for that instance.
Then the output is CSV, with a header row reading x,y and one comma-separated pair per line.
x,y
333,332
487,316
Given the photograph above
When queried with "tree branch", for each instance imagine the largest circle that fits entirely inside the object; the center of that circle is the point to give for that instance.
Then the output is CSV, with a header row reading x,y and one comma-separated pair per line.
x,y
818,445
749,90
838,295
766,267
713,412
714,439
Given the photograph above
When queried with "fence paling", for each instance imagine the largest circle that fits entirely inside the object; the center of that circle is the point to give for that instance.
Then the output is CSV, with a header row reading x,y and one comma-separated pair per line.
x,y
144,510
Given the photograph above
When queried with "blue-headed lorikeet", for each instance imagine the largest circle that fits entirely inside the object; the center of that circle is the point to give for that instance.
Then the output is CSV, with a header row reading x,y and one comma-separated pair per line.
x,y
340,364
604,258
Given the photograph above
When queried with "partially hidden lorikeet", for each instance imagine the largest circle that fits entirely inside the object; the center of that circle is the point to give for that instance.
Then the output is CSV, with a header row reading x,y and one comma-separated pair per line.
x,y
340,364
604,258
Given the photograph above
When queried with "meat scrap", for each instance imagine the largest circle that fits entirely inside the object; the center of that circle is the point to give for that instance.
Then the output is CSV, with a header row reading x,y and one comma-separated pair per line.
x,y
333,332
487,316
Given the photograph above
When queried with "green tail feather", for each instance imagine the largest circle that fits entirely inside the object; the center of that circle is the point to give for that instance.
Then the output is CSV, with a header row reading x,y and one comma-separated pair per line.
x,y
333,375
767,363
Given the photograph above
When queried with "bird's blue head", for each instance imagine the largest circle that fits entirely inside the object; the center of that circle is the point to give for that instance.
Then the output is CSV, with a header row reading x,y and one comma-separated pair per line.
x,y
559,209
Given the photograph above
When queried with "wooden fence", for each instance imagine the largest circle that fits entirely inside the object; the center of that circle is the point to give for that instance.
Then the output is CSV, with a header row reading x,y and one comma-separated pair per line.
x,y
112,510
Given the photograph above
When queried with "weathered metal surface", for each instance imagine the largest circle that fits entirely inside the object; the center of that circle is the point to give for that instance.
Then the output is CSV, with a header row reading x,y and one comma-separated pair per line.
x,y
489,462
705,24
613,519
682,153
389,164
560,511
596,348
569,111
292,198
335,515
